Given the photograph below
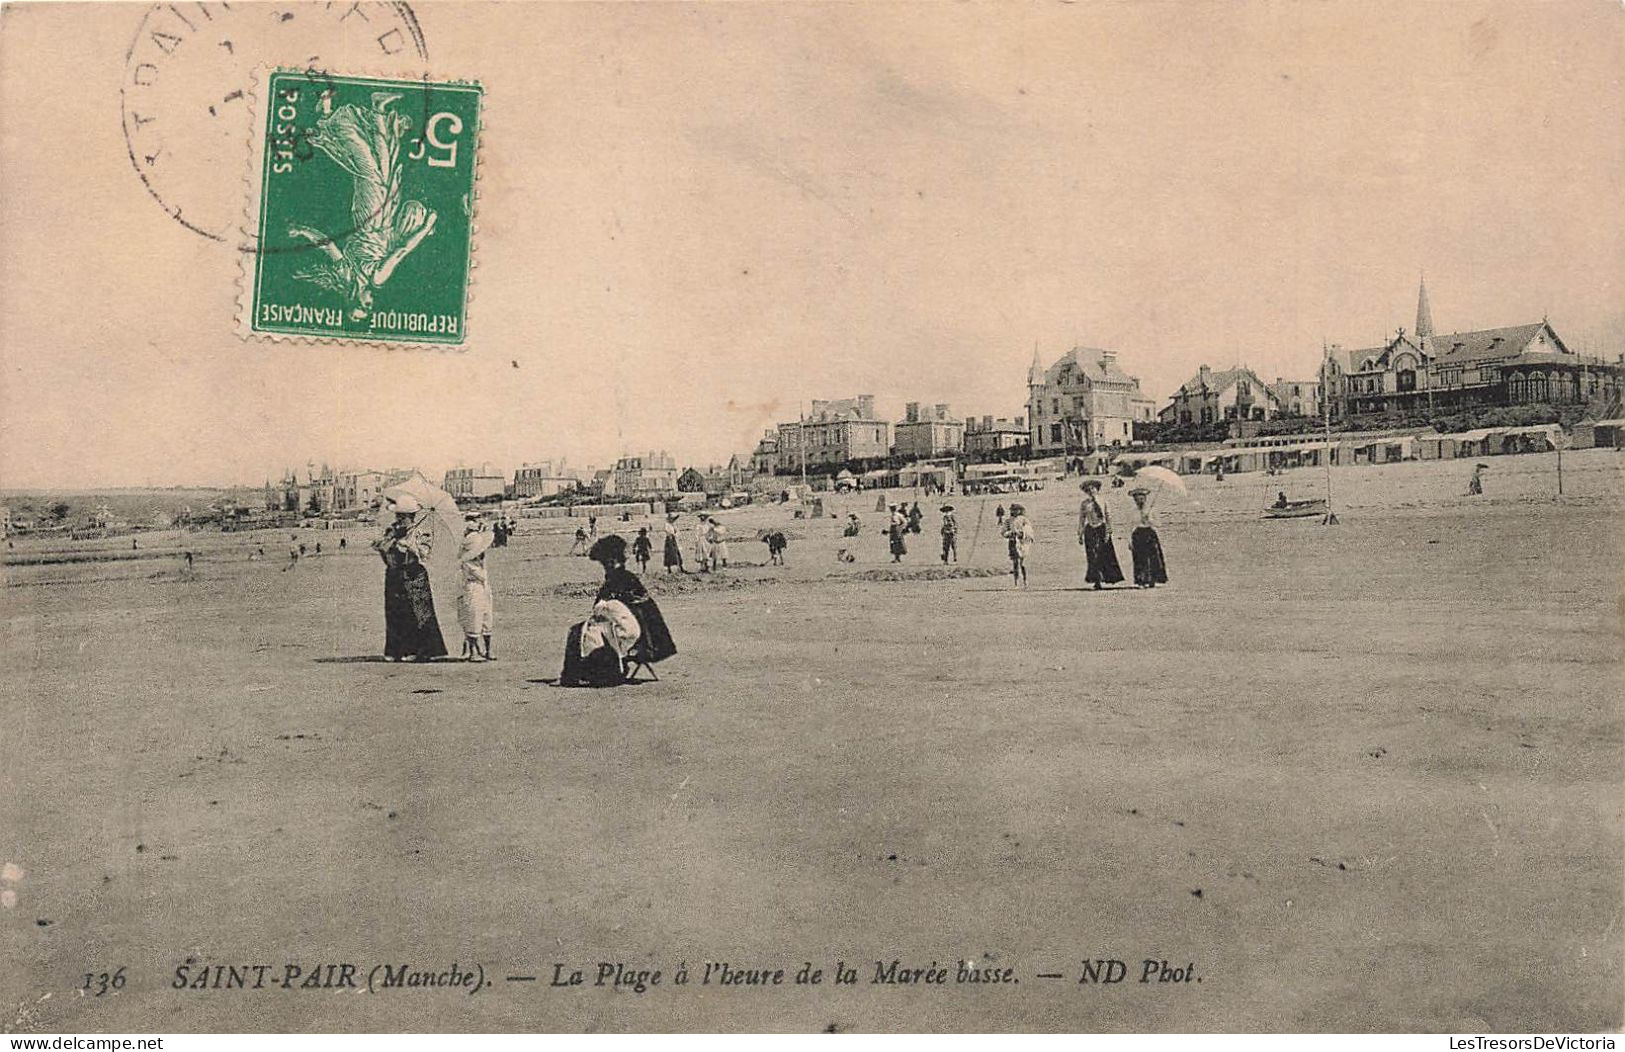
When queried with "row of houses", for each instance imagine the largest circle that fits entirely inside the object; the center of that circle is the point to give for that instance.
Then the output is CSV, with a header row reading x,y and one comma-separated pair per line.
x,y
1083,403
1417,374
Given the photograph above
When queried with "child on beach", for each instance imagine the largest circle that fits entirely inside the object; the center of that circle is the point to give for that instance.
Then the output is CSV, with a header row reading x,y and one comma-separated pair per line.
x,y
474,604
950,534
1019,532
642,548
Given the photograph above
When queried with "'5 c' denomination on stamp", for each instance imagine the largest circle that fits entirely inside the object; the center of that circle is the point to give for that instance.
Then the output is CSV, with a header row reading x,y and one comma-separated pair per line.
x,y
362,200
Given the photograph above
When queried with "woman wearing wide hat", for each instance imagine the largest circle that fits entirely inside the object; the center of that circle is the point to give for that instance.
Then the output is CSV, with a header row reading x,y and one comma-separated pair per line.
x,y
1095,534
624,619
1144,545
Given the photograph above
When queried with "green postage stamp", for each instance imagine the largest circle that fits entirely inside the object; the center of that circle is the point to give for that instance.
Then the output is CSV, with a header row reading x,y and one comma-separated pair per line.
x,y
362,193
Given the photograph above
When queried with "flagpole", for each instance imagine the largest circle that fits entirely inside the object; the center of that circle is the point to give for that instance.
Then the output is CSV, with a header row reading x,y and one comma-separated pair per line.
x,y
1326,414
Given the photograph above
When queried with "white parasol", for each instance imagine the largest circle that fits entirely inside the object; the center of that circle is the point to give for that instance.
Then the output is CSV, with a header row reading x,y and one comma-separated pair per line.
x,y
1162,476
438,518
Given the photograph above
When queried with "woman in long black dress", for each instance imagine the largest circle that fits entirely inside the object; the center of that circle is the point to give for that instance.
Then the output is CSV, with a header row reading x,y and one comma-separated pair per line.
x,y
1095,534
596,649
1144,545
410,627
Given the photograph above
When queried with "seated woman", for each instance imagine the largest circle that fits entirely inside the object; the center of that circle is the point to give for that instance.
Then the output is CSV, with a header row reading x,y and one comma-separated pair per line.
x,y
623,618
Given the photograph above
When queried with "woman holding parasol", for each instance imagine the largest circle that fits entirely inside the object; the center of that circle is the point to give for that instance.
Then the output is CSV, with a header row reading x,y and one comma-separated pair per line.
x,y
1144,545
411,629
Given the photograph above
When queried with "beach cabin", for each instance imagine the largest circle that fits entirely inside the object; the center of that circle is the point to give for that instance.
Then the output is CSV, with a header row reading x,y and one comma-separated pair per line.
x,y
1606,434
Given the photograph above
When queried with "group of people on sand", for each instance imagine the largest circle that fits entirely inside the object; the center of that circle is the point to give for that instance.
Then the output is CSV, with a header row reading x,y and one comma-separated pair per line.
x,y
1095,535
623,630
411,628
710,548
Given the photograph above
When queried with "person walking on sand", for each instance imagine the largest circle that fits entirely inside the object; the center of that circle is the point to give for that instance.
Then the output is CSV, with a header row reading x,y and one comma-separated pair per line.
x,y
294,551
642,548
411,629
716,535
1018,532
915,517
776,544
998,517
1144,545
674,548
899,525
1475,483
474,604
702,543
1095,534
950,534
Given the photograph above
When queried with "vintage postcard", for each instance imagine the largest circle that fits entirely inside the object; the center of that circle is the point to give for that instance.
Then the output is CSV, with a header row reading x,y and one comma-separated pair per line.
x,y
952,518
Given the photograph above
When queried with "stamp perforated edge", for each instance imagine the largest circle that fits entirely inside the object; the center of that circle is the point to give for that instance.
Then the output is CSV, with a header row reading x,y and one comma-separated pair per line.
x,y
253,186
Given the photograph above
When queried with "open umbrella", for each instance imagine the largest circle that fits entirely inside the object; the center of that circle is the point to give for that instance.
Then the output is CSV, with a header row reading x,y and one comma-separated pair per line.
x,y
439,517
1161,476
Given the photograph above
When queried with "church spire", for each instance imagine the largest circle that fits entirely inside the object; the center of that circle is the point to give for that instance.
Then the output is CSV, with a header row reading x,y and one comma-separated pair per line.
x,y
1424,315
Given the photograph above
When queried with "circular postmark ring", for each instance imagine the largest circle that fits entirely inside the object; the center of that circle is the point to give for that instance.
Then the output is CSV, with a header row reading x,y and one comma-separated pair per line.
x,y
185,91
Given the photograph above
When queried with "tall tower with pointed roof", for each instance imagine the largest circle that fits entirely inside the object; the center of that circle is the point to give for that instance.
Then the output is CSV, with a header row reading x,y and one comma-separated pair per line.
x,y
1035,385
1424,315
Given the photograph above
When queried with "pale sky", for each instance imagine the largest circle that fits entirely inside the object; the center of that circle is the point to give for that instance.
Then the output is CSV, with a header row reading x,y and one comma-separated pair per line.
x,y
694,217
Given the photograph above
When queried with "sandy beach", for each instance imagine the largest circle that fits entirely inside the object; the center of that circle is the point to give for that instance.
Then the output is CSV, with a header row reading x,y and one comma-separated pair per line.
x,y
1362,777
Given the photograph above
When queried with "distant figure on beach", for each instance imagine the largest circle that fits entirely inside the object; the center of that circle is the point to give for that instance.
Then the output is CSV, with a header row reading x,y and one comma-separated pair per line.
x,y
915,517
702,544
895,531
642,549
1095,534
580,544
474,612
342,543
852,527
259,553
499,533
592,527
998,516
776,544
294,551
950,534
188,560
1280,499
411,629
716,537
624,622
1475,483
1144,545
674,548
318,547
1018,532
135,545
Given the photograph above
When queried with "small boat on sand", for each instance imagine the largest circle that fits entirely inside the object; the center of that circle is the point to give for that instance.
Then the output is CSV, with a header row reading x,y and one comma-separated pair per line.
x,y
1296,509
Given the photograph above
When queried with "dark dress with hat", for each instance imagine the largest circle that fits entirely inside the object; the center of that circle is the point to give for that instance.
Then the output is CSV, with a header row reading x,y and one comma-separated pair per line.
x,y
1098,549
411,629
603,667
1146,549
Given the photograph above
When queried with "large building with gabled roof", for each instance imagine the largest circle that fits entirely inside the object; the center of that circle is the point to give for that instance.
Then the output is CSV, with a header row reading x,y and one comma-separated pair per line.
x,y
1082,402
1427,371
1216,395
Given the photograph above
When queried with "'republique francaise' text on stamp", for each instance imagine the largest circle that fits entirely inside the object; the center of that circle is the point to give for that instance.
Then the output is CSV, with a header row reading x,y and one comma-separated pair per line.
x,y
362,198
